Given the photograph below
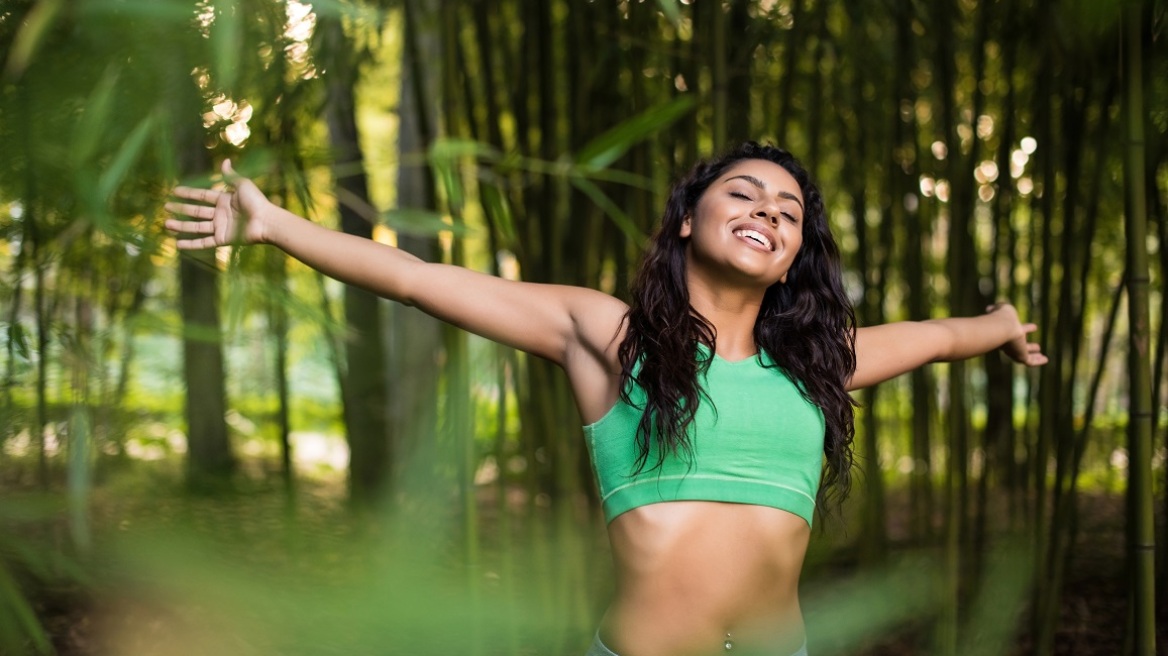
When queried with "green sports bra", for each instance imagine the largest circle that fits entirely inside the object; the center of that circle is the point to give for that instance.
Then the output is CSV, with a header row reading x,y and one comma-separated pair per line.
x,y
759,442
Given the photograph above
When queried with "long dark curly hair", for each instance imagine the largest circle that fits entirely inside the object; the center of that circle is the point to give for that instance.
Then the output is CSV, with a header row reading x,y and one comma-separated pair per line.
x,y
806,325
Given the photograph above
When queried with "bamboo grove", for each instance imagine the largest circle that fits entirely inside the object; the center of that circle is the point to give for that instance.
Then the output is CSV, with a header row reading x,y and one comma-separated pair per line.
x,y
970,152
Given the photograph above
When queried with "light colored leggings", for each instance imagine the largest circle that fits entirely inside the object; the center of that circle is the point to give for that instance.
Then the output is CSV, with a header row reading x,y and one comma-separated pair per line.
x,y
598,648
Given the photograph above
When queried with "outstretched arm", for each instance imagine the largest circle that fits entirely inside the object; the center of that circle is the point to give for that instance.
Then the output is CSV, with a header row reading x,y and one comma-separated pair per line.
x,y
550,321
889,350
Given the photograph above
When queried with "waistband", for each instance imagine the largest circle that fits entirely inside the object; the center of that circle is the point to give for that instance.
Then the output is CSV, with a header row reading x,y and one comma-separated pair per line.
x,y
598,648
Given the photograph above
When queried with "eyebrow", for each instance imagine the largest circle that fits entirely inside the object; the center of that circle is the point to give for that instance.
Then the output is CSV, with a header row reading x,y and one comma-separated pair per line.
x,y
762,186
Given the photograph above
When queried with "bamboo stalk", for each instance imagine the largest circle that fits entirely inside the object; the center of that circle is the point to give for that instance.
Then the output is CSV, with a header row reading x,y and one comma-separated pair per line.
x,y
1141,538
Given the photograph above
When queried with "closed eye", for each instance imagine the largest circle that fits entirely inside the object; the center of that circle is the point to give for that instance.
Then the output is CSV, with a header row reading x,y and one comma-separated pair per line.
x,y
740,195
791,217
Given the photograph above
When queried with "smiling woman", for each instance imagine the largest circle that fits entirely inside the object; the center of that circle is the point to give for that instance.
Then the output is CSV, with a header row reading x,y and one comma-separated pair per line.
x,y
717,402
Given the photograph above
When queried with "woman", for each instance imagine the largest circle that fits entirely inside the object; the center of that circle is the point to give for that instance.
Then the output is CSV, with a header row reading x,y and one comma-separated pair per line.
x,y
714,404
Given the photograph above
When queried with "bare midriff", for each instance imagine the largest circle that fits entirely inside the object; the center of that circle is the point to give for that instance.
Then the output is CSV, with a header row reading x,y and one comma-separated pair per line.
x,y
691,572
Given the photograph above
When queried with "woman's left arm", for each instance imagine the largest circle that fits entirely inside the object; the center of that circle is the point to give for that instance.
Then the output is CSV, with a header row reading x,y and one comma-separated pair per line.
x,y
889,350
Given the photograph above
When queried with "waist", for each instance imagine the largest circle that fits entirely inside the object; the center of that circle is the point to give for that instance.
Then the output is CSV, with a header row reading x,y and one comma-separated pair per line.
x,y
690,571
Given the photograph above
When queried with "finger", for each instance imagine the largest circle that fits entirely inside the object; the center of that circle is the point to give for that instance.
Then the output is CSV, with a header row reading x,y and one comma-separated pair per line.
x,y
195,244
190,227
210,196
196,211
1028,328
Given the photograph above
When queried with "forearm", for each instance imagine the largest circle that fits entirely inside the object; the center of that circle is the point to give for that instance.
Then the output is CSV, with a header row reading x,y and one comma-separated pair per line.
x,y
967,337
379,268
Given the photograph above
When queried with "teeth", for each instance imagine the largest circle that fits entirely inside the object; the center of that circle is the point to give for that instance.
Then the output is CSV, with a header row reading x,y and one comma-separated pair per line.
x,y
755,235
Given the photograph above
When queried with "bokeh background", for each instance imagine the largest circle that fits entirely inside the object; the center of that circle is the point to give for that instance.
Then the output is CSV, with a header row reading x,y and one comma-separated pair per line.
x,y
225,453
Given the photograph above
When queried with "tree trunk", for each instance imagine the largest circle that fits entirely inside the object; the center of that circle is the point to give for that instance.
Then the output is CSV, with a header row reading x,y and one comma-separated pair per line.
x,y
364,389
415,337
209,457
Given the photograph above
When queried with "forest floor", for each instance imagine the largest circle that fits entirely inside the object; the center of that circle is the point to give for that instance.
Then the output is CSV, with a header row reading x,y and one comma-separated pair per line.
x,y
80,619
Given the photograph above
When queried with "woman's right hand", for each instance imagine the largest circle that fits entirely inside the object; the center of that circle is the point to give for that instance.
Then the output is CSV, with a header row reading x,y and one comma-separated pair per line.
x,y
237,215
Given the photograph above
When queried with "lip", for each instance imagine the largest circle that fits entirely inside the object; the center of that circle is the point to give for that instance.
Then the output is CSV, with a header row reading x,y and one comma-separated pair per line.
x,y
757,227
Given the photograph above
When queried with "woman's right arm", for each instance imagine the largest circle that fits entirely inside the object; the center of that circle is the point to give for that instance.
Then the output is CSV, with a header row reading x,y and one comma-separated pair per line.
x,y
556,322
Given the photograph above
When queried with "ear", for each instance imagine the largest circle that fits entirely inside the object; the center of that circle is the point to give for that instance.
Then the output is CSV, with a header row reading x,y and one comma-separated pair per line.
x,y
686,228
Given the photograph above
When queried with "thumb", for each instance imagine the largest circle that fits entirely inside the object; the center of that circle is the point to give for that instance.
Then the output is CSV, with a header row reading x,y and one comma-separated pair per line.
x,y
229,173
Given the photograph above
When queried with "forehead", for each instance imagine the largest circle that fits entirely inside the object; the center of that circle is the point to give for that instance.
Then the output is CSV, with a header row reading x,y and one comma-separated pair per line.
x,y
775,178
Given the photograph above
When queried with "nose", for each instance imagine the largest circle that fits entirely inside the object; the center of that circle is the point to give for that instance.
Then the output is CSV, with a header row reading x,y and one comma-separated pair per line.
x,y
763,214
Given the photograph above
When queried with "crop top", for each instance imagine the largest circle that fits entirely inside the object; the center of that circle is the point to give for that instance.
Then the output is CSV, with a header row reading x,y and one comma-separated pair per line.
x,y
755,440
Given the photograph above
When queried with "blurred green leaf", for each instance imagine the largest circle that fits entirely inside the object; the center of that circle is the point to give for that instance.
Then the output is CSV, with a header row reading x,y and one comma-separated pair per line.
x,y
18,622
227,41
421,222
36,25
94,119
113,175
18,337
843,615
454,149
609,146
79,477
618,216
361,12
446,171
1001,600
170,10
497,208
671,10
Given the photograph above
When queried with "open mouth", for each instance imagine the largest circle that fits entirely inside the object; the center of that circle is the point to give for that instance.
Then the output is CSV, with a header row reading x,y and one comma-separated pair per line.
x,y
755,237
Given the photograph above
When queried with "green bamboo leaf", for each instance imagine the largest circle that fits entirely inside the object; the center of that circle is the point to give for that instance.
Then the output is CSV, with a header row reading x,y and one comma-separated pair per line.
x,y
145,9
95,118
608,147
359,12
454,149
19,613
36,25
1002,597
227,42
671,10
499,209
421,222
18,337
79,477
113,174
446,172
610,208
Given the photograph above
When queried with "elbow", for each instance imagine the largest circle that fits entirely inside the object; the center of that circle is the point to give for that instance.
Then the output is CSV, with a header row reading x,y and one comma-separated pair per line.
x,y
403,288
941,342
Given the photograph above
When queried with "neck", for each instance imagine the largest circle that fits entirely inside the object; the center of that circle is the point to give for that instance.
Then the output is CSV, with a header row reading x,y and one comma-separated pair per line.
x,y
732,310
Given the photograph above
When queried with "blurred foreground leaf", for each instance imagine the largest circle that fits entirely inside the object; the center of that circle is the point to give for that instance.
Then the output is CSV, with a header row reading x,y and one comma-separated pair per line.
x,y
312,596
29,552
36,25
609,146
422,222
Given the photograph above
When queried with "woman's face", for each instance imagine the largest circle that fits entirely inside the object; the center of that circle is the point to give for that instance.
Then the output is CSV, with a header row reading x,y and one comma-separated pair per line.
x,y
748,225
